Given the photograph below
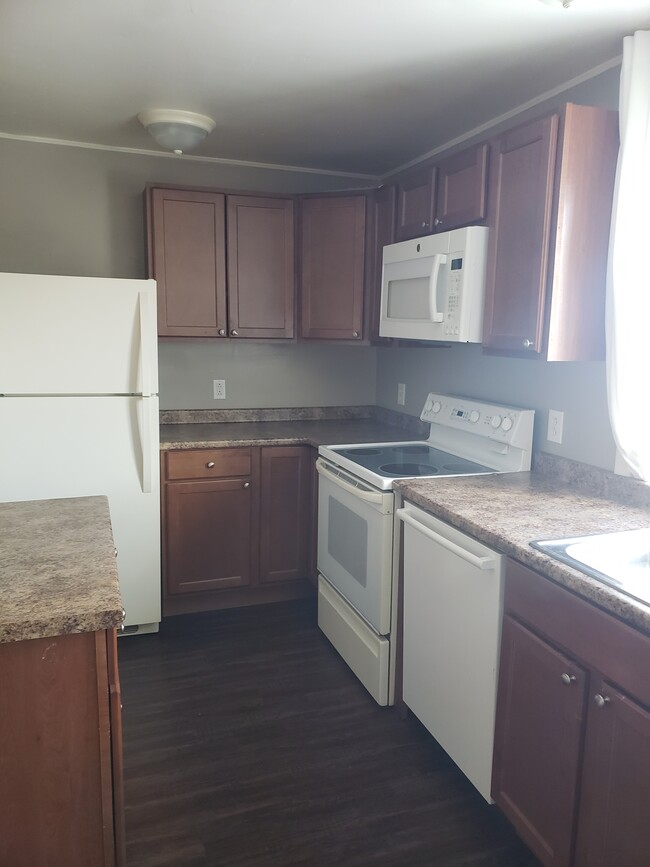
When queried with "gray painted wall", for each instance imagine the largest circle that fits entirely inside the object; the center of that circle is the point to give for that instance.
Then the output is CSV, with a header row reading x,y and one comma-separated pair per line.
x,y
260,374
577,389
67,210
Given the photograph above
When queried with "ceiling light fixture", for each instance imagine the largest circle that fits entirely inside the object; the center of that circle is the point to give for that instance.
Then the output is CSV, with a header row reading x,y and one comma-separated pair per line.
x,y
564,3
177,131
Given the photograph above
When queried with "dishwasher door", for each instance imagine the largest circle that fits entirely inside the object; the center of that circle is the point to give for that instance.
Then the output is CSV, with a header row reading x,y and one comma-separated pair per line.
x,y
453,606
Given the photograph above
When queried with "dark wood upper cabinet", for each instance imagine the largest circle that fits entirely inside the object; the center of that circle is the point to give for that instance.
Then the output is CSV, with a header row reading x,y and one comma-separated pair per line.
x,y
613,826
461,197
416,193
550,196
285,513
382,208
187,258
260,267
537,746
332,250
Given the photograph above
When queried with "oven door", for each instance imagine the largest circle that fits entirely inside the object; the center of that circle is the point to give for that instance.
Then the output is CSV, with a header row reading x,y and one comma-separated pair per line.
x,y
355,542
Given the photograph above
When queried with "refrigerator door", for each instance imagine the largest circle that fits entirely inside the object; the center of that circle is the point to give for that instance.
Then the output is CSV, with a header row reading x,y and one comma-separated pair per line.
x,y
83,446
77,335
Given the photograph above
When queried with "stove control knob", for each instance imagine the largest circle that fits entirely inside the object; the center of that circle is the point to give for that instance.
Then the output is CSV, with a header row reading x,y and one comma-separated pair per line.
x,y
474,416
428,405
506,424
437,406
496,421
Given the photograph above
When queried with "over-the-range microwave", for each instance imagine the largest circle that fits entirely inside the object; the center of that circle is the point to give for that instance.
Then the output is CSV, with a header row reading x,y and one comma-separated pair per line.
x,y
433,288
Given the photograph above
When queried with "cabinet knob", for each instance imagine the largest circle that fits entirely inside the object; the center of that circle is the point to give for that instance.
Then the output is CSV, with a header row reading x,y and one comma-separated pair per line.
x,y
222,332
355,333
424,224
210,464
527,343
568,678
437,222
601,700
247,484
234,333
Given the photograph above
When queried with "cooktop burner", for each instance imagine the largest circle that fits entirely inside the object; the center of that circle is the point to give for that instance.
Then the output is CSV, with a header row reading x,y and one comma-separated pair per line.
x,y
410,460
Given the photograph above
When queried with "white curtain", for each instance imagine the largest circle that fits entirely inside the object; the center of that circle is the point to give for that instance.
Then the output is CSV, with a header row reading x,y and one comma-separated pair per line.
x,y
628,273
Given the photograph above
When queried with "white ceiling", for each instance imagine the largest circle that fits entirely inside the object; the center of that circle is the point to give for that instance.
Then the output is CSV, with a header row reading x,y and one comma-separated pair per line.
x,y
344,85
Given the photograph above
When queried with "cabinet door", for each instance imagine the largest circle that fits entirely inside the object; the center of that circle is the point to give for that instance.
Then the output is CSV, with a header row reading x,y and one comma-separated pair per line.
x,y
614,826
332,254
188,261
461,197
522,170
260,267
415,203
209,535
538,736
285,513
382,208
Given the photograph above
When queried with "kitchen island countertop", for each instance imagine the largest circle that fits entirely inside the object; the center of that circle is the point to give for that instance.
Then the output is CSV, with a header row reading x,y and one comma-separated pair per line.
x,y
280,433
508,511
58,572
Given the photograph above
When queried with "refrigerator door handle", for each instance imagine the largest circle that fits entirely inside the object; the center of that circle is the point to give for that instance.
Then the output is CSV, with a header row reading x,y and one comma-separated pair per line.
x,y
147,348
148,407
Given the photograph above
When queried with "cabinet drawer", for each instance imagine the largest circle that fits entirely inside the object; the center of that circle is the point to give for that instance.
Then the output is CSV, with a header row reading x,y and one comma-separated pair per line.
x,y
608,645
207,463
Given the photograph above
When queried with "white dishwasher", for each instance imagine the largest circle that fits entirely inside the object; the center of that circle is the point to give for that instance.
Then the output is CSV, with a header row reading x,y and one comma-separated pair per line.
x,y
453,605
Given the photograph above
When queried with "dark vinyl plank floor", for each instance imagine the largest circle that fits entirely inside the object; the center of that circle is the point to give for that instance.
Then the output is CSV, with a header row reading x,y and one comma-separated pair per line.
x,y
249,743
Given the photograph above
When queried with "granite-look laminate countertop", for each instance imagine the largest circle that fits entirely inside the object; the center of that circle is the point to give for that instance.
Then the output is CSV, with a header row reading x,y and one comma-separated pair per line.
x,y
280,433
508,511
58,572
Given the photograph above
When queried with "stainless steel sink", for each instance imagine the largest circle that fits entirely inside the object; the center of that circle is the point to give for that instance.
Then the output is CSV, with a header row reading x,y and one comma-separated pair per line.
x,y
621,560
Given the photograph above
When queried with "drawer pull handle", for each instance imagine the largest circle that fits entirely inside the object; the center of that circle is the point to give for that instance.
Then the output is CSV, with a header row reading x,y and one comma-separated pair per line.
x,y
601,700
210,464
568,678
527,343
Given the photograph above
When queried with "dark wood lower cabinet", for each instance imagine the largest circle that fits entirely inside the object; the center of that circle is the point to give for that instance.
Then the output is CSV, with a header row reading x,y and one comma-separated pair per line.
x,y
614,821
209,529
285,513
234,538
572,739
537,748
61,752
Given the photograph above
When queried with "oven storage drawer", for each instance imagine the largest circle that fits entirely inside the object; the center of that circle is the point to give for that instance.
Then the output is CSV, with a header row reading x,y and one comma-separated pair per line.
x,y
365,652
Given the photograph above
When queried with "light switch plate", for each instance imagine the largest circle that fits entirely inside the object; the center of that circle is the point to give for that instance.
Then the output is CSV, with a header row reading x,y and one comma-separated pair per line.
x,y
401,394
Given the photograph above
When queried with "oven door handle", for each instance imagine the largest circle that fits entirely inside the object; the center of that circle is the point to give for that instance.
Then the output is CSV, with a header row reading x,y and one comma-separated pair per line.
x,y
472,559
376,498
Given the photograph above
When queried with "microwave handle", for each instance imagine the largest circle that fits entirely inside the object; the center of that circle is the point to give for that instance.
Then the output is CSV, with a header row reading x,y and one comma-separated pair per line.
x,y
438,260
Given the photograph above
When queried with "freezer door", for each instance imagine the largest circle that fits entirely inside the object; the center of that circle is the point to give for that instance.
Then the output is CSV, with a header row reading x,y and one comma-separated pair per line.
x,y
77,335
84,446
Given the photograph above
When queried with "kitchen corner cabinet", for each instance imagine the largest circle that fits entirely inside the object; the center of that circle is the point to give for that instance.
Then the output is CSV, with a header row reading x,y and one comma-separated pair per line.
x,y
550,198
61,784
189,232
332,251
236,526
449,194
572,738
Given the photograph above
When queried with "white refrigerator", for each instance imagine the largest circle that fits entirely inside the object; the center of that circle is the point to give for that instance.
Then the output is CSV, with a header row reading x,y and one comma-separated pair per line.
x,y
79,412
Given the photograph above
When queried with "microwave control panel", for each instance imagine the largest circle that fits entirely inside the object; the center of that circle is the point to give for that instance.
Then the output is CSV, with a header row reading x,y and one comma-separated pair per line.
x,y
454,294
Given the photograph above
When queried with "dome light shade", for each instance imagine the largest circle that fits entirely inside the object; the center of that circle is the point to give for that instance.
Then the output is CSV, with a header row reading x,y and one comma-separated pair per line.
x,y
177,131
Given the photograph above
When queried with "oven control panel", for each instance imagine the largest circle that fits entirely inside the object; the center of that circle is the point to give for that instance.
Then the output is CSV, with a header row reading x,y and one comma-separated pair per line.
x,y
506,424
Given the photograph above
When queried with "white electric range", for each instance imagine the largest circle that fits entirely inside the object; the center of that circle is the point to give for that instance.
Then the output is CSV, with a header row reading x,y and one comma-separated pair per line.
x,y
358,538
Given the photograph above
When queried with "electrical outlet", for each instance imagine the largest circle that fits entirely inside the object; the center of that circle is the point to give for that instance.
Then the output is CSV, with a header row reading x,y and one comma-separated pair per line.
x,y
219,389
401,394
555,425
